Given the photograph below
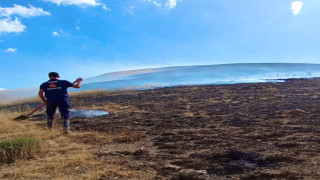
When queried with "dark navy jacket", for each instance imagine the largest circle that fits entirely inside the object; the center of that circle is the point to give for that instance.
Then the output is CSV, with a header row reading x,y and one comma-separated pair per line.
x,y
56,90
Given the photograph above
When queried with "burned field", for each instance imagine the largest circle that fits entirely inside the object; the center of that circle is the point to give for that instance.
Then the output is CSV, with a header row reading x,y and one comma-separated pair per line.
x,y
241,131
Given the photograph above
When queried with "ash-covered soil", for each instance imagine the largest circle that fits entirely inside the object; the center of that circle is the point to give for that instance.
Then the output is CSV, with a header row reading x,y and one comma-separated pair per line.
x,y
241,131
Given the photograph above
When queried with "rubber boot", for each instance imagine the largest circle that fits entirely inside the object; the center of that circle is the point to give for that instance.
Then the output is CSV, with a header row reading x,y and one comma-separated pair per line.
x,y
66,126
50,124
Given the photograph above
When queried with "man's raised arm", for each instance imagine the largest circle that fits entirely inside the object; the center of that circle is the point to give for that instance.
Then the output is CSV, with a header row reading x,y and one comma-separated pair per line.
x,y
78,83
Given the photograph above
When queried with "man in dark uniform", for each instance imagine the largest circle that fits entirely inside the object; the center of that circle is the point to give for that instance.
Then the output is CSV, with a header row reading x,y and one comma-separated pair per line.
x,y
54,94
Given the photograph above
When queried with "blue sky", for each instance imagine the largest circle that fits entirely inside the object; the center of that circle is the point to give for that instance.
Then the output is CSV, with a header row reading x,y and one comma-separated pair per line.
x,y
91,37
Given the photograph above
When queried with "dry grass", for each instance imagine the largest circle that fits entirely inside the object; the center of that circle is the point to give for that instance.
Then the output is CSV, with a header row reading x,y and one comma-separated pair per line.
x,y
14,129
7,125
125,136
19,148
63,157
95,93
115,108
34,99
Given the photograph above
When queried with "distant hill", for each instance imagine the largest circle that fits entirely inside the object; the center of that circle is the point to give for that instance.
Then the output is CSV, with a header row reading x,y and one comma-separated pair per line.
x,y
185,75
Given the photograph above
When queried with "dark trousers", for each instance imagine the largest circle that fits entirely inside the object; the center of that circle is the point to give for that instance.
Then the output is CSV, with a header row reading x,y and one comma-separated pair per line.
x,y
63,106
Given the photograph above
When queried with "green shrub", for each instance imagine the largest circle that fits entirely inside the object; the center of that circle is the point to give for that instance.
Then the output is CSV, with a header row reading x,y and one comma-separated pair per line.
x,y
19,148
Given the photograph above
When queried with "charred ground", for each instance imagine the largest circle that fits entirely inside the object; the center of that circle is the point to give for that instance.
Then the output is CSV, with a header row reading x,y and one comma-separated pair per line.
x,y
242,131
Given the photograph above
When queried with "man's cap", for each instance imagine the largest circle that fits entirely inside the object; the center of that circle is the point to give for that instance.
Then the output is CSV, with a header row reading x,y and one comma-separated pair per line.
x,y
53,74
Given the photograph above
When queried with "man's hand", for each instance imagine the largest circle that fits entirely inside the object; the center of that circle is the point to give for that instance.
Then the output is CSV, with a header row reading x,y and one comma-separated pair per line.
x,y
79,79
78,83
44,101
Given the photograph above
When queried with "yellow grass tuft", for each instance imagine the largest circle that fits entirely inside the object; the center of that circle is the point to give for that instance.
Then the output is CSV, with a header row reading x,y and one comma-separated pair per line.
x,y
125,136
19,148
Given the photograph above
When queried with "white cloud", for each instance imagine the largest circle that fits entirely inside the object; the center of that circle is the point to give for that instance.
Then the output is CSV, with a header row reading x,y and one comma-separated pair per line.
x,y
78,25
11,26
60,32
104,7
129,10
82,3
11,50
156,4
23,11
1,89
171,4
153,2
7,25
296,7
55,33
